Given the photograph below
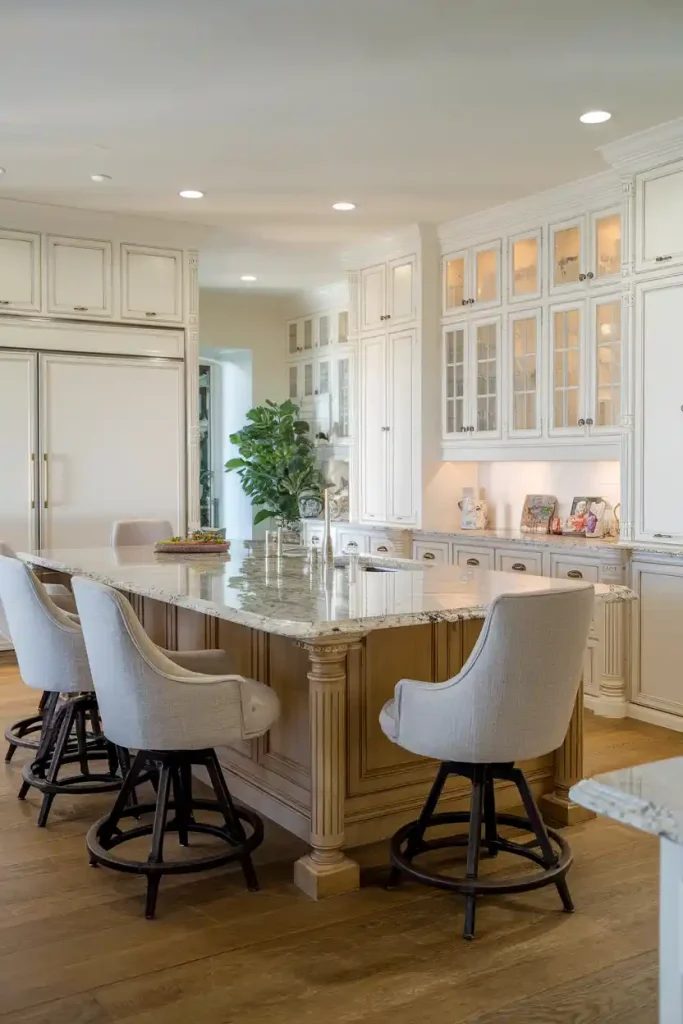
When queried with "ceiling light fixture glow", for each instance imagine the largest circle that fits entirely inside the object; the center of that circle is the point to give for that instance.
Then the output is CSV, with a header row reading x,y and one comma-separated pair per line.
x,y
100,177
344,207
595,116
191,193
247,277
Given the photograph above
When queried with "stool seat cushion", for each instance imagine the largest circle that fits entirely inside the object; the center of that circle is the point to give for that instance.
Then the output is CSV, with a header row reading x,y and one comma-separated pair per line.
x,y
260,708
388,720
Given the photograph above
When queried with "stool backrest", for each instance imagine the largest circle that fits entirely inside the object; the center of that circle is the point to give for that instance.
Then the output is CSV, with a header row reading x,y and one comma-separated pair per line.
x,y
514,697
48,642
5,550
138,532
146,700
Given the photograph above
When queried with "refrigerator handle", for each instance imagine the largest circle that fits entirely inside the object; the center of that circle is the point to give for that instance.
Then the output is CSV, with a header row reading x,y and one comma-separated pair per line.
x,y
45,482
32,477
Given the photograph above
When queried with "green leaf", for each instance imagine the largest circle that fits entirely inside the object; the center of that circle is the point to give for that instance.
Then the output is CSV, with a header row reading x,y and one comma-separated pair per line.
x,y
265,513
234,464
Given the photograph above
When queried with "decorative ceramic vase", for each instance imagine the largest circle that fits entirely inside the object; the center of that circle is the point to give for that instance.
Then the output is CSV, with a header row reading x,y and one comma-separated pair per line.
x,y
474,513
310,505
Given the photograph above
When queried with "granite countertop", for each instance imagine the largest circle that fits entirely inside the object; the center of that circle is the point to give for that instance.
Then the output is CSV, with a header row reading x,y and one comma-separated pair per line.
x,y
515,536
649,797
294,597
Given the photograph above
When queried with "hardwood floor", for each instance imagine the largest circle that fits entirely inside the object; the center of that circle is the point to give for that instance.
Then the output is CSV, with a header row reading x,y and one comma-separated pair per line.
x,y
75,948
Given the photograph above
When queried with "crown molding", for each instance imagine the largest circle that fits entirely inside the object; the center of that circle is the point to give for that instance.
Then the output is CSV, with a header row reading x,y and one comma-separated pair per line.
x,y
639,152
387,247
569,200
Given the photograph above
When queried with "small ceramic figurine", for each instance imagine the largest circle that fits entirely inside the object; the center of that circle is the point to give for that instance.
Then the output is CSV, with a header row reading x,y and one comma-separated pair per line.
x,y
474,511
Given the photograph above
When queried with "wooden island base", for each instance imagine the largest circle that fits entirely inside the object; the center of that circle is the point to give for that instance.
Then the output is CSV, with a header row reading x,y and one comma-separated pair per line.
x,y
325,771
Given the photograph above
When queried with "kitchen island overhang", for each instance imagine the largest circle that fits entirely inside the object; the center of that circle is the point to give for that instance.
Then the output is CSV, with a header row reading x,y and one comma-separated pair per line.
x,y
332,640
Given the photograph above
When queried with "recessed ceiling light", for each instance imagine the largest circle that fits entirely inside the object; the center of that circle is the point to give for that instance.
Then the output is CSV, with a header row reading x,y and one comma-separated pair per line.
x,y
100,177
344,206
247,277
595,116
190,193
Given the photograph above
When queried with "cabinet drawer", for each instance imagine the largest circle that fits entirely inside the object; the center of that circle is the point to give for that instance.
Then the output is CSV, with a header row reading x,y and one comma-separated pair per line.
x,y
563,567
472,557
530,562
434,552
383,546
313,536
353,542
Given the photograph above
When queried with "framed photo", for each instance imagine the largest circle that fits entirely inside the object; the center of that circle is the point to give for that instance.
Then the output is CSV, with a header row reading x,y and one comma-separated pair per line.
x,y
537,513
586,517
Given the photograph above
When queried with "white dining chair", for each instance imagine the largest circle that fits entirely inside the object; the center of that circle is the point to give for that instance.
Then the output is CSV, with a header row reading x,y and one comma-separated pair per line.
x,y
130,533
512,701
174,715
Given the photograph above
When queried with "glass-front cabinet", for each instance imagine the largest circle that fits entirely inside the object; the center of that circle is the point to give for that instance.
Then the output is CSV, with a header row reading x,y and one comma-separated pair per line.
x,y
524,267
586,251
471,278
525,373
471,354
605,412
567,345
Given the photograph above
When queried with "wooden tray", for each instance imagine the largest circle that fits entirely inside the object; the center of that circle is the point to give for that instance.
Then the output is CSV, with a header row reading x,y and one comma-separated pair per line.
x,y
190,548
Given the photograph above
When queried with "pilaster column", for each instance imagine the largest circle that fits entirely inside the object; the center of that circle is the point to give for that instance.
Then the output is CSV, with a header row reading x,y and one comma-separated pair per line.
x,y
556,807
326,870
613,698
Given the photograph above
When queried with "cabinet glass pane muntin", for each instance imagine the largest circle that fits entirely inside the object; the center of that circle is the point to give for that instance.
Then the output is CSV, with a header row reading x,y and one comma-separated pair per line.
x,y
324,378
343,327
525,267
524,377
308,334
455,282
293,382
323,331
455,380
293,336
566,367
487,275
566,255
343,396
308,379
487,377
608,245
608,348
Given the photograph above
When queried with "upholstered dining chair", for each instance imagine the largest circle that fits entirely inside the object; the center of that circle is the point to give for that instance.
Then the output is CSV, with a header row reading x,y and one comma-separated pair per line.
x,y
174,714
25,732
138,532
512,701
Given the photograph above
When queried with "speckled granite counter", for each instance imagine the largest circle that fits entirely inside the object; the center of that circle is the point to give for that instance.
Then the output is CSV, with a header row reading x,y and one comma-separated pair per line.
x,y
293,597
650,798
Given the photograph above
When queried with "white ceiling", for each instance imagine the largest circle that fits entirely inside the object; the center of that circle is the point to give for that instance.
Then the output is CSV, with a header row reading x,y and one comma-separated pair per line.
x,y
417,110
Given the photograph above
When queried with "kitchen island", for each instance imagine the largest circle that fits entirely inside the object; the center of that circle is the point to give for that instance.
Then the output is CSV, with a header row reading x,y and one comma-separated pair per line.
x,y
333,641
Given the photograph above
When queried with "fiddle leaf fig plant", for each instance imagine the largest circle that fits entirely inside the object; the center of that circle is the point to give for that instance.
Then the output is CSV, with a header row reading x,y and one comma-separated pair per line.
x,y
276,462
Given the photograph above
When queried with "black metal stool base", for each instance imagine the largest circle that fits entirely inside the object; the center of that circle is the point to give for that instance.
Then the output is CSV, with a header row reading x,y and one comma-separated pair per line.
x,y
64,740
549,850
176,773
26,732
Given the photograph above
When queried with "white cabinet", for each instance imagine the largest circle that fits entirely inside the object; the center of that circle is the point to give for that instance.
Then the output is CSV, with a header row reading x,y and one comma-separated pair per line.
x,y
524,266
659,217
657,646
472,391
151,284
19,271
343,397
79,276
658,376
472,278
585,251
388,293
512,560
293,342
431,551
524,395
389,409
471,557
18,449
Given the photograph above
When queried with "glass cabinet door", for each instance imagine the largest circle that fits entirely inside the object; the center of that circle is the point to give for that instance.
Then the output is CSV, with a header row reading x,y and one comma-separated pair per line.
x,y
294,383
606,245
567,348
455,282
607,348
487,275
342,327
308,334
324,377
323,331
293,338
566,251
486,375
343,398
454,366
525,267
525,340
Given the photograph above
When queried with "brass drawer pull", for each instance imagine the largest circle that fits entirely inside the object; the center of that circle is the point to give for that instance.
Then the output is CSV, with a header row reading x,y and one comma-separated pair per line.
x,y
519,567
473,561
429,556
575,574
382,547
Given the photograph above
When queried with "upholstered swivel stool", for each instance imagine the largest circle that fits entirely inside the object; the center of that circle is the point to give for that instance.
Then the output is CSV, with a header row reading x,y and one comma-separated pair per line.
x,y
174,716
51,655
26,732
512,701
137,532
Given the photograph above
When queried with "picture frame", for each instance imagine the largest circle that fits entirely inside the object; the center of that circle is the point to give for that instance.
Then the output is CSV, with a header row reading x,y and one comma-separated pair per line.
x,y
537,513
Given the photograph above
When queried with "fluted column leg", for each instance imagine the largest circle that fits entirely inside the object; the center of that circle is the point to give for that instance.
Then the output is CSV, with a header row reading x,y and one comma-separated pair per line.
x,y
326,870
556,807
613,701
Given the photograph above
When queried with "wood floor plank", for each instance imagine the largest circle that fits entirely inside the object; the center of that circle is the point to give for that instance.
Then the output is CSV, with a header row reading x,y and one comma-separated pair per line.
x,y
75,948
